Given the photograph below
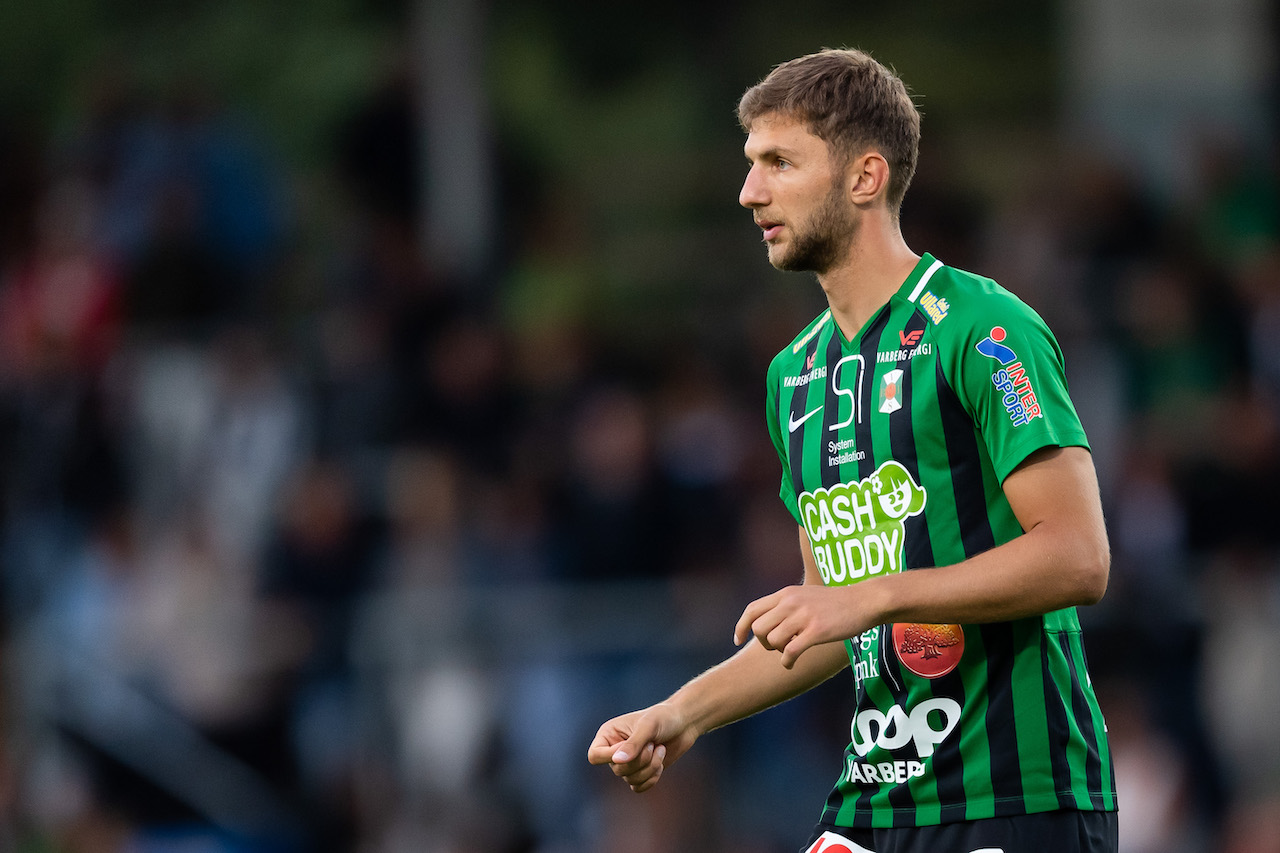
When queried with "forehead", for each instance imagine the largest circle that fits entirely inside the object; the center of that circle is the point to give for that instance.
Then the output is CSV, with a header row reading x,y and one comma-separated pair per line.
x,y
774,133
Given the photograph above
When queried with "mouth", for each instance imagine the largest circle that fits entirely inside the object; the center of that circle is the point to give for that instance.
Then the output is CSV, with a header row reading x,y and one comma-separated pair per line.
x,y
771,229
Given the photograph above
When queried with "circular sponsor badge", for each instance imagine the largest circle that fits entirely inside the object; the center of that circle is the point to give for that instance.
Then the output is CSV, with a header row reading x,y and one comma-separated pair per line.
x,y
926,649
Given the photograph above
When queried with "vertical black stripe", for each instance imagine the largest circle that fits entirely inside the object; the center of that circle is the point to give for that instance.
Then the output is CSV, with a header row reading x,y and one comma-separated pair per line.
x,y
918,547
1084,716
952,812
947,759
1059,730
799,402
899,797
869,346
1002,733
831,411
901,448
965,459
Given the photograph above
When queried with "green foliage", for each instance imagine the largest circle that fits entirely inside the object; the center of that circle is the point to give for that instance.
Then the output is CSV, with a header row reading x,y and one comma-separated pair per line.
x,y
293,65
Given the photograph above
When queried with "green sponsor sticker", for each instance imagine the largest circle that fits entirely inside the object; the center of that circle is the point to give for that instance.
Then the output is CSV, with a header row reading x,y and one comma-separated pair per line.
x,y
856,529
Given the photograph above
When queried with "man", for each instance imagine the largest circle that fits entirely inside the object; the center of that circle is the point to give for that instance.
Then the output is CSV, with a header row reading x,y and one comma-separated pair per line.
x,y
948,511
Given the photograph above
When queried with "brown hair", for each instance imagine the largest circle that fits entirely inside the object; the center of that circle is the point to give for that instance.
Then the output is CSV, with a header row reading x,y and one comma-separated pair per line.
x,y
850,101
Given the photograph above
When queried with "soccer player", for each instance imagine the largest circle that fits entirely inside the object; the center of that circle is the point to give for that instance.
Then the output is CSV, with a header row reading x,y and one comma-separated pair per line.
x,y
947,506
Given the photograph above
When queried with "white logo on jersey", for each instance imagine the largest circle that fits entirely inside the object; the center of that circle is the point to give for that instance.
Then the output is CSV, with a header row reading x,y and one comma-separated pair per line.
x,y
871,728
854,399
891,392
793,424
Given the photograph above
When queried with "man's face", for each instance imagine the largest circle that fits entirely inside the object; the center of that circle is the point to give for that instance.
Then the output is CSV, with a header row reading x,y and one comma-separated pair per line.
x,y
797,196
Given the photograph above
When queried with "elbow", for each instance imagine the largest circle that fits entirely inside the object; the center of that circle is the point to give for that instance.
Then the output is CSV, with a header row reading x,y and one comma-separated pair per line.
x,y
1092,574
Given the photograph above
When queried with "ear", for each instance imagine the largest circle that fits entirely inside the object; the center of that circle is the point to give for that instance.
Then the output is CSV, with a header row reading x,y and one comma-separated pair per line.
x,y
868,178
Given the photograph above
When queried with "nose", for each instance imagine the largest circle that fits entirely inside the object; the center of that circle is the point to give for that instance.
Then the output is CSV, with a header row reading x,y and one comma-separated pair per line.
x,y
753,192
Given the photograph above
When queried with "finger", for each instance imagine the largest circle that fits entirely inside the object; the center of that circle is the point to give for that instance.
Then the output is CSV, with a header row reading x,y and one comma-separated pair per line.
x,y
643,735
641,787
636,765
781,634
793,649
646,778
643,778
601,752
604,744
742,631
608,739
771,630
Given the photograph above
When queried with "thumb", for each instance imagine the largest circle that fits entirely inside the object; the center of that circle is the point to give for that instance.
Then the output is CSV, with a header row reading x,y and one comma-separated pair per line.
x,y
642,735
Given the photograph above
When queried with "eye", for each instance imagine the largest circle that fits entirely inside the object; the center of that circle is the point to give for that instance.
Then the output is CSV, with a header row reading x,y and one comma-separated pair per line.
x,y
782,165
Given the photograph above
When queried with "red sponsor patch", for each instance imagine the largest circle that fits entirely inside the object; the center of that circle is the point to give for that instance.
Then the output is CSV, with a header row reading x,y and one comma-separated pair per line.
x,y
928,650
911,339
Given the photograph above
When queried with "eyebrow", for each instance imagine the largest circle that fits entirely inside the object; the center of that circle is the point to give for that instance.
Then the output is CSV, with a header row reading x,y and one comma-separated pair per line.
x,y
774,153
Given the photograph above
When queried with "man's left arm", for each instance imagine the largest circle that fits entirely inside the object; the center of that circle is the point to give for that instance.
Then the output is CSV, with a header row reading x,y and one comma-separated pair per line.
x,y
1062,559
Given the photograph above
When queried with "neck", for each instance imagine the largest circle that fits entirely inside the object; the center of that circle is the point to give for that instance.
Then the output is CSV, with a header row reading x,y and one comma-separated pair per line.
x,y
878,261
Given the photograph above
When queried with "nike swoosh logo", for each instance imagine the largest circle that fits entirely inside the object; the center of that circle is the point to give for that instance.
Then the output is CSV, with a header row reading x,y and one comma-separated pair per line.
x,y
793,424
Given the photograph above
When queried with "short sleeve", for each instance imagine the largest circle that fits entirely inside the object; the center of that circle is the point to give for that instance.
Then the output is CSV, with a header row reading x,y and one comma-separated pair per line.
x,y
1011,377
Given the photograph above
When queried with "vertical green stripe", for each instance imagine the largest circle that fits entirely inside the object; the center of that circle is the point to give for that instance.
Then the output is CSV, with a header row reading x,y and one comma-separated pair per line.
x,y
924,790
1004,524
1030,716
975,750
935,470
879,693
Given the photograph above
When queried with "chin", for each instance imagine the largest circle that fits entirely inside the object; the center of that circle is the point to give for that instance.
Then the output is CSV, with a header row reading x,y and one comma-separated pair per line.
x,y
787,262
779,258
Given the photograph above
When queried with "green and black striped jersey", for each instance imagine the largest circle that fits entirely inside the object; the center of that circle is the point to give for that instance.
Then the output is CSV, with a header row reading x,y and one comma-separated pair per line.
x,y
894,446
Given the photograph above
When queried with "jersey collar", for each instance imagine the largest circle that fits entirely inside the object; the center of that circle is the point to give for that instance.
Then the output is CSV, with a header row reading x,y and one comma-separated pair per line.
x,y
919,277
912,287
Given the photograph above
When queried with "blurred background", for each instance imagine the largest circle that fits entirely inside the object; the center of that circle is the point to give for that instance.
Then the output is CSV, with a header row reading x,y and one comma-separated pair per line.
x,y
381,404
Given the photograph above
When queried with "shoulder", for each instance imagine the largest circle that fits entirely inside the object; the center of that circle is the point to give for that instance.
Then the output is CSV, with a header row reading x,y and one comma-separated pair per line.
x,y
963,306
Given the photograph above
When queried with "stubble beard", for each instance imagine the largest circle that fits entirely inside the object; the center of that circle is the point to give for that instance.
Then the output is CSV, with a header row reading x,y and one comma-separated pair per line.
x,y
823,243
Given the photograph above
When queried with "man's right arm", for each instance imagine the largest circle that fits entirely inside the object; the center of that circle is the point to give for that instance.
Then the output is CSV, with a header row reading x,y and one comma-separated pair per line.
x,y
640,744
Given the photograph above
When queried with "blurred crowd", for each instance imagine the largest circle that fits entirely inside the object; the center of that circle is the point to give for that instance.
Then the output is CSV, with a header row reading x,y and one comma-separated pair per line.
x,y
309,545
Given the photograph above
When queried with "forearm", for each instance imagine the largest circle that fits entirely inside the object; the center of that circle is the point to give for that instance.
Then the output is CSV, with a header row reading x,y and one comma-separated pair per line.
x,y
751,681
1045,569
